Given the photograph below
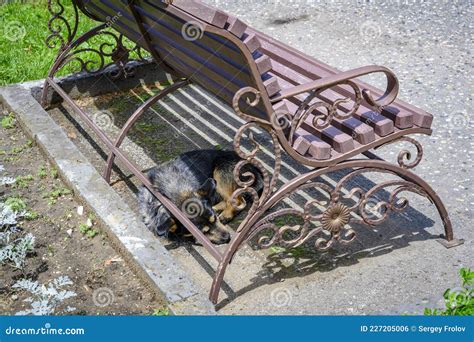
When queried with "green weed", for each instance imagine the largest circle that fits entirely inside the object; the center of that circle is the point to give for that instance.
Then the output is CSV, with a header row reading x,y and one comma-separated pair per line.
x,y
458,302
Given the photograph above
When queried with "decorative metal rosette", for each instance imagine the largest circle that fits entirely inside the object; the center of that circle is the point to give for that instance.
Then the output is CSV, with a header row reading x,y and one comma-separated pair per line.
x,y
335,218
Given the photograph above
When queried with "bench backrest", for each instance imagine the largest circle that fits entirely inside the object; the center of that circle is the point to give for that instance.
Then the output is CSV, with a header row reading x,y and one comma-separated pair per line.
x,y
208,46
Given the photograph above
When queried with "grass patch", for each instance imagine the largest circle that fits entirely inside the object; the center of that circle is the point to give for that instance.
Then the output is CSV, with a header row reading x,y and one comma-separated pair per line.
x,y
53,173
25,55
42,171
16,203
23,181
8,121
88,230
19,149
31,215
161,312
55,194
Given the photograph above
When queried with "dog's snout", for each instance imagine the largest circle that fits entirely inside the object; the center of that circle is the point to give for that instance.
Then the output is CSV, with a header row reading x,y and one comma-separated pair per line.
x,y
225,237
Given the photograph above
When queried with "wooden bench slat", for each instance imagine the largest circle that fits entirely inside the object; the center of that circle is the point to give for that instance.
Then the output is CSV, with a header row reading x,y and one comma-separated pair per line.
x,y
363,133
272,86
303,141
204,12
232,53
202,60
263,64
251,41
301,144
315,69
401,119
209,71
206,45
381,125
236,26
340,141
316,148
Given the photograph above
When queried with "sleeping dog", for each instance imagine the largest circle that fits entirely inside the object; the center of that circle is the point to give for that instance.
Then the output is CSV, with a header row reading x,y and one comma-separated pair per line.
x,y
200,183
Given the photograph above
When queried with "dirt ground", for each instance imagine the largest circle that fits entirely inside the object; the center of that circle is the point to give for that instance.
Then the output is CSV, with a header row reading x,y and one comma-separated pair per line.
x,y
68,242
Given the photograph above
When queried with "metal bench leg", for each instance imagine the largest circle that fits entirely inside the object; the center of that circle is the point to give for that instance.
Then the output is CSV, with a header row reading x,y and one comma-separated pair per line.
x,y
134,117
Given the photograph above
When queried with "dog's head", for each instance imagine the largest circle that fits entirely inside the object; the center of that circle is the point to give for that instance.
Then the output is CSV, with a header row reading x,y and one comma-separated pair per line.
x,y
197,206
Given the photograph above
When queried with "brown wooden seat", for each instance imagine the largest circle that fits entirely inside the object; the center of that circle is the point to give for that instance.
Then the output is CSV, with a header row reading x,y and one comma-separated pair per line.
x,y
222,54
320,116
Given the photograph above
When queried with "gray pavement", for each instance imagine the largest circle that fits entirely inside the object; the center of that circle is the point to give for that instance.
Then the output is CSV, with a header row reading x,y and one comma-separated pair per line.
x,y
429,46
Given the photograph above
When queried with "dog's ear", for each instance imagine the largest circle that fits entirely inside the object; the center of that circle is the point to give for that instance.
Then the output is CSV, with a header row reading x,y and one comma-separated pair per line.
x,y
207,188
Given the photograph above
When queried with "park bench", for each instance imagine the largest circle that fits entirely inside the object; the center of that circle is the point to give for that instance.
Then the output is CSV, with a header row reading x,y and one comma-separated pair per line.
x,y
320,116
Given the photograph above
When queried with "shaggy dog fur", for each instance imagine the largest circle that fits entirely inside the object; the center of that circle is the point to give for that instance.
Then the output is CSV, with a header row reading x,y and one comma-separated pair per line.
x,y
200,183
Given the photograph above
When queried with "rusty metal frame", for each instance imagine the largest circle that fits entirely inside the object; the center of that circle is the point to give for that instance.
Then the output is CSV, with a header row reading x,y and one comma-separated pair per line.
x,y
324,228
328,226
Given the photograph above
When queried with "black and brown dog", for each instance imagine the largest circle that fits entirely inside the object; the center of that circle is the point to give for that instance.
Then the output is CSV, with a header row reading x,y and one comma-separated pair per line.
x,y
201,184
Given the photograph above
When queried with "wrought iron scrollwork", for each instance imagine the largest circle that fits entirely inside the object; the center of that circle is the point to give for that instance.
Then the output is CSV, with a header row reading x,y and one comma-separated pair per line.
x,y
329,110
58,22
404,156
322,112
331,223
327,222
246,180
111,51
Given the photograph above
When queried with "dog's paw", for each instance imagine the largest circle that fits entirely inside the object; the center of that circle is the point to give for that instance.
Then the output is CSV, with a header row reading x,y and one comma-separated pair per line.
x,y
224,219
219,207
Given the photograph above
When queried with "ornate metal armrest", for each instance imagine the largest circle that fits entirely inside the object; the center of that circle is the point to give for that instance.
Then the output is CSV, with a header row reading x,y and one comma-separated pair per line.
x,y
342,78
